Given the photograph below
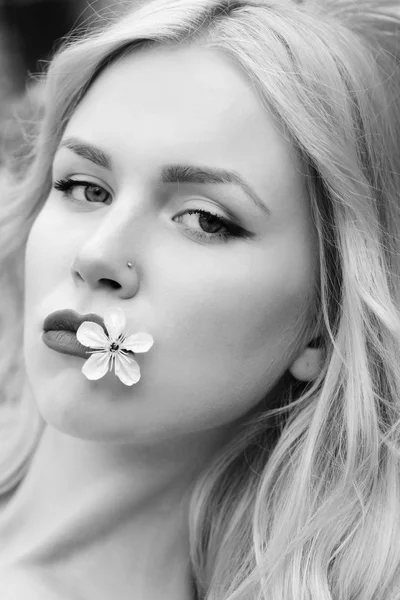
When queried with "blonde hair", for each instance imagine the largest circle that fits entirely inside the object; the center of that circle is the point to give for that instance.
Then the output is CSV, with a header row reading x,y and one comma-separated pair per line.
x,y
304,502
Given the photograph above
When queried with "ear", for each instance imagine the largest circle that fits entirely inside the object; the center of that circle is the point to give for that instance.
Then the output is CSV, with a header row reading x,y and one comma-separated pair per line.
x,y
307,365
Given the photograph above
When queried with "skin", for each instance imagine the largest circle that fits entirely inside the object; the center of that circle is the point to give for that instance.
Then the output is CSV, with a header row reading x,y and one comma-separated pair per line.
x,y
227,317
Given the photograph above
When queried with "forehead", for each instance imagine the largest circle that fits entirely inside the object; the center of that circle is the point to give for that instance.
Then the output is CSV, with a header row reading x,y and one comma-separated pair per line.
x,y
188,104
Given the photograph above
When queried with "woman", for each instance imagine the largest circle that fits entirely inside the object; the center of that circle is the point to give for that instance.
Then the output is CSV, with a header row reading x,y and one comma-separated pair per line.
x,y
203,397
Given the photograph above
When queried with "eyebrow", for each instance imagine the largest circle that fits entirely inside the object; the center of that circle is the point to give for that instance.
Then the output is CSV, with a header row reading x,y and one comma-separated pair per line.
x,y
177,173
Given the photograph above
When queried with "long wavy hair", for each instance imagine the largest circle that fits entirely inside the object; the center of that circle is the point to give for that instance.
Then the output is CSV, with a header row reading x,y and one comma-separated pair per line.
x,y
304,502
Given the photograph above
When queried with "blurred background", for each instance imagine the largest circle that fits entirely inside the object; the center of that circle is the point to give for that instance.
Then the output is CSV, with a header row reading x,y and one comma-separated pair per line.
x,y
30,31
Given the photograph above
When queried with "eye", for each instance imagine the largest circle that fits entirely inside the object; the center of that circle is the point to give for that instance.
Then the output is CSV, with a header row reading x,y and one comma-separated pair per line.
x,y
82,191
207,226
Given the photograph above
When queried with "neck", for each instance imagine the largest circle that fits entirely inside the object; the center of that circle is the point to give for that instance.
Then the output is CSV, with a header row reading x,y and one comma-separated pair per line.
x,y
116,513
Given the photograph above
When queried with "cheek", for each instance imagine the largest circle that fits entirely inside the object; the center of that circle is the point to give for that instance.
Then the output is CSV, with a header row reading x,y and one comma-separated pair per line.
x,y
49,254
41,255
242,304
227,332
39,268
47,260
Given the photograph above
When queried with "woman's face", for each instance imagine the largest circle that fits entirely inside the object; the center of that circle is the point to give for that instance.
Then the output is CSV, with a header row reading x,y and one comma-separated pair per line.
x,y
222,275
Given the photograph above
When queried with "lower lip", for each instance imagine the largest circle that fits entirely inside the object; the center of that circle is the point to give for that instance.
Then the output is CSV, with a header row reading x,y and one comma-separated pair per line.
x,y
65,342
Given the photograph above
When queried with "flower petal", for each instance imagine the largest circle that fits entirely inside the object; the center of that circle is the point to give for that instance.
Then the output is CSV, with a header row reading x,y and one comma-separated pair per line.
x,y
115,321
126,369
138,342
92,335
96,366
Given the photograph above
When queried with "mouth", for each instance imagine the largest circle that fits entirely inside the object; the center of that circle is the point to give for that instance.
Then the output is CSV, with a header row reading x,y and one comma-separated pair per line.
x,y
59,332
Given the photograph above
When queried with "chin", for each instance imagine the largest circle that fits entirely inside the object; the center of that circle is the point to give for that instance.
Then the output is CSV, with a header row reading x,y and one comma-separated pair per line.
x,y
77,407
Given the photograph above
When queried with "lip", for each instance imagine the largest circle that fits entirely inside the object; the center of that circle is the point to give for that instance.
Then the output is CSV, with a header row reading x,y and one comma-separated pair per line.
x,y
69,320
59,332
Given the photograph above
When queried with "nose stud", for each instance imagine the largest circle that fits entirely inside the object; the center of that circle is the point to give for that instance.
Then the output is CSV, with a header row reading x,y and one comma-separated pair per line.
x,y
129,265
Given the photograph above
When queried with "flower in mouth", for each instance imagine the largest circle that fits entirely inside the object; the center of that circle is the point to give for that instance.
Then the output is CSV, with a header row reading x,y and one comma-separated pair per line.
x,y
112,349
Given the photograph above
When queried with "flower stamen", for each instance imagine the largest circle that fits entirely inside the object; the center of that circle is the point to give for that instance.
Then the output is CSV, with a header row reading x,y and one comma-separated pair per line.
x,y
112,348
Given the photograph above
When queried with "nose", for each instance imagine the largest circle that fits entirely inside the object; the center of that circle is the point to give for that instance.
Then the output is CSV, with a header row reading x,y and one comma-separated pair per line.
x,y
101,268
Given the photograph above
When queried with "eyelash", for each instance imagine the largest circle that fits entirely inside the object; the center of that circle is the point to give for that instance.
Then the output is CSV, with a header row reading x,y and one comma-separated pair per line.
x,y
66,186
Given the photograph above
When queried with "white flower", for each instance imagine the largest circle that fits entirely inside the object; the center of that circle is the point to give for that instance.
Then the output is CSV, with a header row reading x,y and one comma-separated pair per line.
x,y
112,349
